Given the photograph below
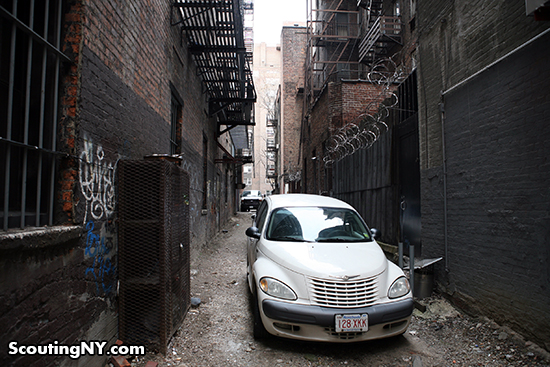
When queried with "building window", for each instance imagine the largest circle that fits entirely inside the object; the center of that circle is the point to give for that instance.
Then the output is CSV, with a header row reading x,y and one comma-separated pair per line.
x,y
176,117
30,60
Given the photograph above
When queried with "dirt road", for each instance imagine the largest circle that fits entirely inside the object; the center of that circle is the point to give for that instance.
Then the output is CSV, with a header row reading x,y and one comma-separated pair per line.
x,y
218,332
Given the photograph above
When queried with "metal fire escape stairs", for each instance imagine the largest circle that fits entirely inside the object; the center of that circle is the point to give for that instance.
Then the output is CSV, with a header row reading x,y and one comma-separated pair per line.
x,y
381,32
215,38
355,44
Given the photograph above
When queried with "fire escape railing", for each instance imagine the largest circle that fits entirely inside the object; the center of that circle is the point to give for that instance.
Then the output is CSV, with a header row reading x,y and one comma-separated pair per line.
x,y
384,29
215,37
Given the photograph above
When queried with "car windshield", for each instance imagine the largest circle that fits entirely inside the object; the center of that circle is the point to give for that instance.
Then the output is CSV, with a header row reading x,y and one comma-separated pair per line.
x,y
251,193
316,224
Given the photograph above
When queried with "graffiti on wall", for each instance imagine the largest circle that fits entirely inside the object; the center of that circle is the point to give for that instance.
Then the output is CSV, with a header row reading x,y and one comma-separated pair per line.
x,y
100,248
97,184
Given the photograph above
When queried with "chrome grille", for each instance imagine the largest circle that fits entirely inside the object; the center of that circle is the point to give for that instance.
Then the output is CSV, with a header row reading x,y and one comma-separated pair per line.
x,y
354,293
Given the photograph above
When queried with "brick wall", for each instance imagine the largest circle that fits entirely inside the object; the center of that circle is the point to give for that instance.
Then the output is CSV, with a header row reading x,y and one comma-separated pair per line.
x,y
496,128
293,49
456,40
342,103
115,104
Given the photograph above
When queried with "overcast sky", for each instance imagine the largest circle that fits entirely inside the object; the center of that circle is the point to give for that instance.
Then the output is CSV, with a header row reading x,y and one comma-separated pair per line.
x,y
270,15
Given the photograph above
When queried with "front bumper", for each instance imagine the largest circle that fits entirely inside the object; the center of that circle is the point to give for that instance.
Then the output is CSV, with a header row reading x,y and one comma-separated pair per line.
x,y
317,323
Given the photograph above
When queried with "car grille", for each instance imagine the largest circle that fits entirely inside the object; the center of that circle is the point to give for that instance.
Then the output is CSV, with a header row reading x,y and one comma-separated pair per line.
x,y
345,294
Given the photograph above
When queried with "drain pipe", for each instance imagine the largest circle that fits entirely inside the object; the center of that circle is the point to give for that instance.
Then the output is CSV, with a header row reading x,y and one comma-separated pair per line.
x,y
444,155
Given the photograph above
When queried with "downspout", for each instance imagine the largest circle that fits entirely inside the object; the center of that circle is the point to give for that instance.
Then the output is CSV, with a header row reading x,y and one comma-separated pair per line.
x,y
444,155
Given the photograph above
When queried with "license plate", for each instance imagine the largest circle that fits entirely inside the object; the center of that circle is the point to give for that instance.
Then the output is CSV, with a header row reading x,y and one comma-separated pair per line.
x,y
351,323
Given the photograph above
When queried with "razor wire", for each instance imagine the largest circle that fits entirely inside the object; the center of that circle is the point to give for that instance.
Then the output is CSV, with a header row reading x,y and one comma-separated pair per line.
x,y
365,129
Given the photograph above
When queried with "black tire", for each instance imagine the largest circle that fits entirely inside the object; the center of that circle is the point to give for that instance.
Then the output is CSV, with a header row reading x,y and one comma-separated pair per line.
x,y
259,330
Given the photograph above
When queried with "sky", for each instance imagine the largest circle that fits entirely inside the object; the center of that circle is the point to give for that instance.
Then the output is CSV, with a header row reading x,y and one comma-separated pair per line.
x,y
270,15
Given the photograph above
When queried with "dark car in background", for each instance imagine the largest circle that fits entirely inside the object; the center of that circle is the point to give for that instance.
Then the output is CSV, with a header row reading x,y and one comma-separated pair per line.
x,y
250,199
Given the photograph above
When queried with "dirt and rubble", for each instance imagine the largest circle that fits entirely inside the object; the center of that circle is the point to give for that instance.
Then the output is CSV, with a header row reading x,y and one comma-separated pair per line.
x,y
218,330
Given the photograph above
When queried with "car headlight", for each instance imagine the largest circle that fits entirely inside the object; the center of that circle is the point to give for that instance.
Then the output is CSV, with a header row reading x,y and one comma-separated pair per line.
x,y
277,289
399,288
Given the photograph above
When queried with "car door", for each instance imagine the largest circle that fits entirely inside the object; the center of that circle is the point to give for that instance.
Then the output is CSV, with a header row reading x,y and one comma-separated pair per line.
x,y
259,221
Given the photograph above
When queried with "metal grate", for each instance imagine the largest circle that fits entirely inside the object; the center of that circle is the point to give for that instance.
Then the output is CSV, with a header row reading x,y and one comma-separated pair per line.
x,y
356,293
153,251
343,336
31,58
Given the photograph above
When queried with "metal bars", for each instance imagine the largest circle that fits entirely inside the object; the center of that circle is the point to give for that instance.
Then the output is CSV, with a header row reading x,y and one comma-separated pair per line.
x,y
214,31
30,58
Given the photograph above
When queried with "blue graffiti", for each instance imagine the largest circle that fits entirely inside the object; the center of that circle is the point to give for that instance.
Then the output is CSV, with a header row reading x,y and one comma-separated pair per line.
x,y
102,269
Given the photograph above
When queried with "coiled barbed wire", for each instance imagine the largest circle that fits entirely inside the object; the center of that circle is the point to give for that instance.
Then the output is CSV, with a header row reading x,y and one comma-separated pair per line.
x,y
364,130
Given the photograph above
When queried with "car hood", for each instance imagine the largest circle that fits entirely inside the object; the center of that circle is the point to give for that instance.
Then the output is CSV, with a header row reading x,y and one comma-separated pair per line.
x,y
324,260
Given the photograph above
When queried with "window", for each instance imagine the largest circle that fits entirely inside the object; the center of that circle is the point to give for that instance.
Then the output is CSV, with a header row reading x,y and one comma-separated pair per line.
x,y
175,122
30,60
261,215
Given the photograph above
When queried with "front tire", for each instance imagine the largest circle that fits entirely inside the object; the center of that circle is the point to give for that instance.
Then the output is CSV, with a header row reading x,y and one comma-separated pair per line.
x,y
259,330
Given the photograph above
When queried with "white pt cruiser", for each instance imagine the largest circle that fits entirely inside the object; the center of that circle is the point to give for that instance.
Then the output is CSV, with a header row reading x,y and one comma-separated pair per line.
x,y
316,273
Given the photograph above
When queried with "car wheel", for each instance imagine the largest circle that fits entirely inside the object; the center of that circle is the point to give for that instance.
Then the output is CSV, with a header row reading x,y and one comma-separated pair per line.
x,y
259,330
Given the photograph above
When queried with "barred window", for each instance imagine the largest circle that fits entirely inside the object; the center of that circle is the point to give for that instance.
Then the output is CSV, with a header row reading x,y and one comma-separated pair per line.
x,y
30,59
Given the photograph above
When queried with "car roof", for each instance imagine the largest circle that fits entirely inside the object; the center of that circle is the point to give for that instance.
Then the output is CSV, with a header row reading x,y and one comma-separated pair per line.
x,y
288,200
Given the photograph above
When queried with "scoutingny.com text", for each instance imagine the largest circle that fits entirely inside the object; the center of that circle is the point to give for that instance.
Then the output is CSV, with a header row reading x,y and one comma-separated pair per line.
x,y
75,351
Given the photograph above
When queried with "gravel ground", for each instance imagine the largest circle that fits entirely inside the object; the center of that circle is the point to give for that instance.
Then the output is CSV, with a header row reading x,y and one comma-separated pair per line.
x,y
218,331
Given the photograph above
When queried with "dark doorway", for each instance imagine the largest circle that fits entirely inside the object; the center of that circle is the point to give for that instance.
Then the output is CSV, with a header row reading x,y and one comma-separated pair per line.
x,y
409,184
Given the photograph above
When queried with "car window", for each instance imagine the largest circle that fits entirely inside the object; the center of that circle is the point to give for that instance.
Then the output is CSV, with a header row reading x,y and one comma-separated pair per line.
x,y
316,224
251,193
261,215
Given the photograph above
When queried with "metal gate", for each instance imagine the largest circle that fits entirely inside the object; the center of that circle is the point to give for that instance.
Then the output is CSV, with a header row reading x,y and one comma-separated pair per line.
x,y
153,242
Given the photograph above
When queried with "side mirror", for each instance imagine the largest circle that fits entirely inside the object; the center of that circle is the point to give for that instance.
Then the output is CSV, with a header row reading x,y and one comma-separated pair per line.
x,y
253,232
374,232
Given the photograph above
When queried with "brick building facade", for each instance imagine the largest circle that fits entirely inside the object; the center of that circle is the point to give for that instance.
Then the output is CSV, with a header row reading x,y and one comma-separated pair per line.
x,y
483,88
461,171
293,48
129,88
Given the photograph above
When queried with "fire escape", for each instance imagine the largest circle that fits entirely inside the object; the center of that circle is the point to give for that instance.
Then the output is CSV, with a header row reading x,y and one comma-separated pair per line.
x,y
345,38
379,32
216,40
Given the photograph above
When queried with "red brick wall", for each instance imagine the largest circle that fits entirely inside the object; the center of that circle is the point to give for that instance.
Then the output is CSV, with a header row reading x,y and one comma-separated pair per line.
x,y
293,47
340,104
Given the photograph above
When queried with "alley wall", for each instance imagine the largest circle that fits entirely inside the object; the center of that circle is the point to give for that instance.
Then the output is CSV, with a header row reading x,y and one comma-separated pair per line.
x,y
128,67
483,88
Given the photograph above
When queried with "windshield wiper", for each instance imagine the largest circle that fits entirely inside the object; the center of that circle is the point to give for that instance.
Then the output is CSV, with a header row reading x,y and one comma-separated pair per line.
x,y
334,239
339,239
288,238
